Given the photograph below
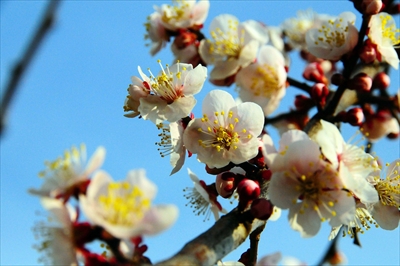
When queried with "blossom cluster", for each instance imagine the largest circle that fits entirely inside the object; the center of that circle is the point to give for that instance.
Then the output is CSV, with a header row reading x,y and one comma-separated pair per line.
x,y
119,212
311,171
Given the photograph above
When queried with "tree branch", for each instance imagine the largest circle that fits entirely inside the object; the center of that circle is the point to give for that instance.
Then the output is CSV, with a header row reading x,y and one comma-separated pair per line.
x,y
21,66
223,237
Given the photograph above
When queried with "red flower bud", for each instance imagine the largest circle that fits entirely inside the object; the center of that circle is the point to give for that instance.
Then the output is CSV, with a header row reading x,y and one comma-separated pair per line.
x,y
354,116
368,52
248,190
361,82
319,92
381,81
225,184
314,72
303,102
262,209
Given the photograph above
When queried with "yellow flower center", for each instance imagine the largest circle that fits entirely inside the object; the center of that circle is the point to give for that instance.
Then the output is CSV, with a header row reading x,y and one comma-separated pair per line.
x,y
164,85
265,82
176,11
224,136
389,32
389,189
334,34
226,43
124,204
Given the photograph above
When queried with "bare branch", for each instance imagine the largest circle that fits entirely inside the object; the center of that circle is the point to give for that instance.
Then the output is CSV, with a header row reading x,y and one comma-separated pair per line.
x,y
223,237
21,66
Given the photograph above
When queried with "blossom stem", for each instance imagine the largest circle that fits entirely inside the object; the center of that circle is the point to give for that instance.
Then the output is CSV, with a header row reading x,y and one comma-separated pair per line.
x,y
331,251
348,66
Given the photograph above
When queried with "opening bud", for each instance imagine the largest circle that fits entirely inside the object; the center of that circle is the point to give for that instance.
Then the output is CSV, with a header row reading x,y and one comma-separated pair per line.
x,y
248,191
225,184
381,81
361,82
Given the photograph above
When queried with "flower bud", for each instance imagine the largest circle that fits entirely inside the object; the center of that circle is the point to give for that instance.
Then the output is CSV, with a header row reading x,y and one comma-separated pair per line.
x,y
361,82
368,52
261,209
319,92
314,72
303,102
184,39
371,7
248,190
354,116
225,184
379,125
381,81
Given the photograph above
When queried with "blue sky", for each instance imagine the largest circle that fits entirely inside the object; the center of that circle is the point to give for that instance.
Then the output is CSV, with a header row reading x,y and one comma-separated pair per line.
x,y
73,93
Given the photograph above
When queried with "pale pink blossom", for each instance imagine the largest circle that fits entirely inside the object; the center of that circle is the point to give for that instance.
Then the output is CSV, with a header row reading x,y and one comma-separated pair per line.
x,y
65,172
202,199
232,46
156,33
351,161
306,185
183,14
264,81
171,92
334,38
384,34
226,133
379,125
172,144
386,210
57,239
124,208
295,28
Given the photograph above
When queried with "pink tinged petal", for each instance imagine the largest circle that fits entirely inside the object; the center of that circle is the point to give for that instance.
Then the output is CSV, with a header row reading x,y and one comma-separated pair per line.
x,y
291,136
251,118
150,107
223,22
344,207
159,218
204,51
98,184
248,53
138,179
177,160
330,140
390,56
254,30
270,55
358,185
270,260
212,102
224,69
95,161
191,135
388,217
194,80
282,190
307,223
200,12
304,156
62,212
143,76
180,108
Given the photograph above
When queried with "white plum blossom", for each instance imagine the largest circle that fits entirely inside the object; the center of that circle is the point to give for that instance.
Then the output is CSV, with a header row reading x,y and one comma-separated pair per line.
x,y
156,32
57,239
124,208
183,14
351,161
264,81
202,199
232,46
65,172
171,92
386,210
295,28
334,38
384,34
172,144
306,185
226,133
136,90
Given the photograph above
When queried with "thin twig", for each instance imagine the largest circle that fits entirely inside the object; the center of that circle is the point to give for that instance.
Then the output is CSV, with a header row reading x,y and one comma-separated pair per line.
x,y
21,66
254,239
300,85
